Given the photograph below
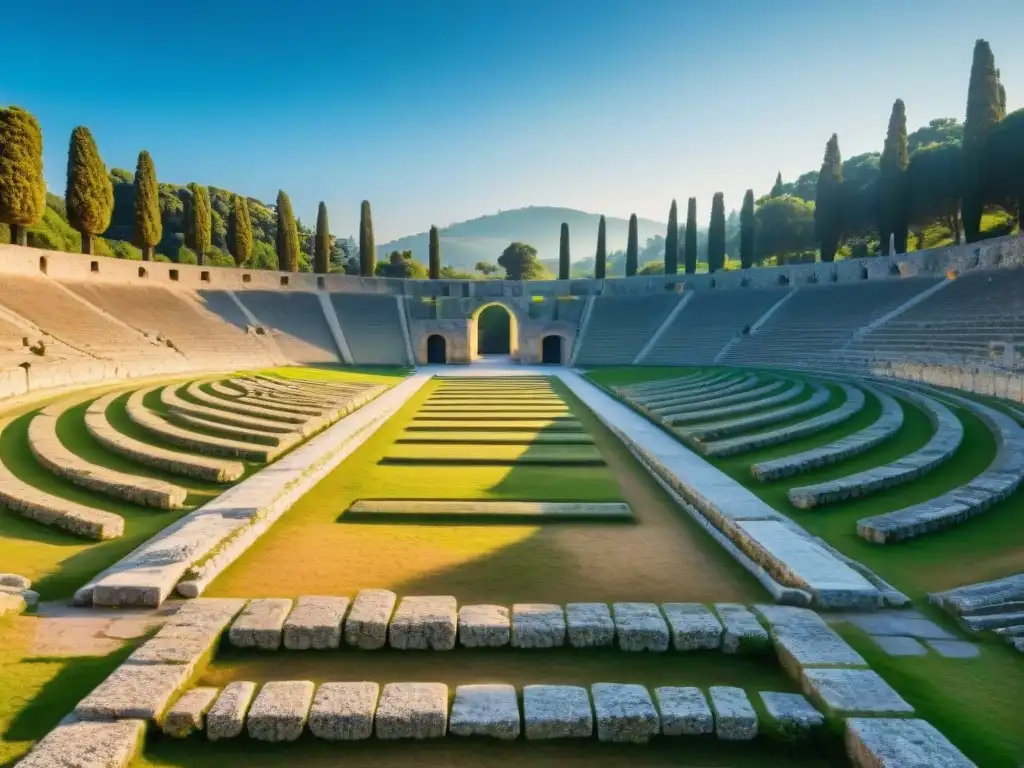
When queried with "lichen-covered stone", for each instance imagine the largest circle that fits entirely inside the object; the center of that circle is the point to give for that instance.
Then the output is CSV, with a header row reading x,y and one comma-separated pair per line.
x,y
735,719
684,711
853,693
484,626
743,632
424,622
789,716
88,745
557,712
280,710
226,717
537,625
412,711
315,622
802,638
640,627
132,691
881,742
694,627
624,713
261,624
485,710
590,625
185,716
343,711
367,624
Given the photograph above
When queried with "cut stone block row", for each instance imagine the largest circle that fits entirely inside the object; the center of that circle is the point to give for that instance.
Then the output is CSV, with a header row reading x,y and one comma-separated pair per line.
x,y
88,745
261,624
743,392
707,432
996,606
51,454
214,413
681,397
700,414
232,406
947,434
888,423
239,434
853,404
175,462
997,482
693,379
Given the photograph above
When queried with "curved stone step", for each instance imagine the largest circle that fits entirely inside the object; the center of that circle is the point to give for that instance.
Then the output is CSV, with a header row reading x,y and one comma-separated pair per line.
x,y
996,483
232,406
710,385
725,387
947,434
888,423
854,404
175,462
176,404
298,397
706,432
703,413
654,386
205,444
222,390
57,459
240,434
751,391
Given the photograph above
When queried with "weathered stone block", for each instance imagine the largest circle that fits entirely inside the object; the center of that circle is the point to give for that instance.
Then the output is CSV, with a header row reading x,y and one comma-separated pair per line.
x,y
743,633
485,710
185,716
412,711
853,693
693,626
640,627
484,626
557,712
280,710
624,713
140,691
789,716
344,711
424,622
226,717
802,638
537,625
880,742
684,711
315,622
367,623
261,624
590,625
88,745
735,719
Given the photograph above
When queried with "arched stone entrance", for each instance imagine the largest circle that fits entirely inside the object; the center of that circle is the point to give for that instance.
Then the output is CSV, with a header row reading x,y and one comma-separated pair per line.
x,y
551,350
437,349
494,330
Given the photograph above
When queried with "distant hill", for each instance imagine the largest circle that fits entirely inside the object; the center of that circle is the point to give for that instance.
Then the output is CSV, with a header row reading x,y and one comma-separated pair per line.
x,y
483,239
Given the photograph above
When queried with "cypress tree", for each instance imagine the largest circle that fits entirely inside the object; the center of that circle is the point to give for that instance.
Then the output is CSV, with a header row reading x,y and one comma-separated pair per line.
x,y
672,241
199,221
747,230
632,248
287,235
322,242
601,256
893,208
690,243
89,196
716,233
435,254
828,206
985,105
22,189
777,187
367,250
563,253
146,226
240,231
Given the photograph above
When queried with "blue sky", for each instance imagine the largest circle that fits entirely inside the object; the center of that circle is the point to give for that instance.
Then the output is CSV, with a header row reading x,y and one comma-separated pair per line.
x,y
442,110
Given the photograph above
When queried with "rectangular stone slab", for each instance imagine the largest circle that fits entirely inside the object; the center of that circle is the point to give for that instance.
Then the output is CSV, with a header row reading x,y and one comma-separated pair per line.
x,y
557,712
684,711
484,626
882,742
315,622
803,639
261,624
412,711
640,627
424,622
280,710
853,693
693,626
226,717
134,691
625,713
88,745
367,624
185,716
743,632
590,625
537,625
485,710
343,711
735,719
789,716
516,510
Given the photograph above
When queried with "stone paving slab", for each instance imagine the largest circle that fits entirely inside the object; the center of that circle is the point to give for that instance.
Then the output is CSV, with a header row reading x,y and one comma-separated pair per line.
x,y
261,624
88,745
484,626
743,632
684,711
694,627
853,693
134,691
517,510
901,623
640,627
803,639
367,624
624,713
412,711
735,718
185,716
424,622
315,622
537,625
557,712
226,717
280,710
485,710
954,649
879,742
590,625
789,716
899,646
344,711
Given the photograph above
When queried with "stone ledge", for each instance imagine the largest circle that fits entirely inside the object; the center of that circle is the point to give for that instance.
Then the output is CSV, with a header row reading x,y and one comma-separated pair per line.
x,y
879,742
88,745
709,432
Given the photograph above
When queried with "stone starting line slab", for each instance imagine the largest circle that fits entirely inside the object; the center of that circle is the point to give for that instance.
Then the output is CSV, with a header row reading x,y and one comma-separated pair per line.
x,y
491,510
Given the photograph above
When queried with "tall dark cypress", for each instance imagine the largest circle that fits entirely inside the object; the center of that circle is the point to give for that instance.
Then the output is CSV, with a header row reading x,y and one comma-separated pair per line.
x,y
322,244
435,254
828,206
240,231
672,241
287,235
199,221
22,188
777,187
147,228
601,256
716,233
893,203
367,250
747,231
563,253
985,106
632,247
690,243
89,198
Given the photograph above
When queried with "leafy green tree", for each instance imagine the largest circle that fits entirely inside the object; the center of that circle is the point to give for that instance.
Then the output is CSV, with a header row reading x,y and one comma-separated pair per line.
x,y
747,230
777,187
892,198
828,207
652,268
716,233
1003,167
287,239
435,253
520,262
985,107
486,268
942,130
564,259
89,197
601,256
146,225
785,225
632,247
451,273
322,244
199,221
240,231
690,240
367,249
401,264
672,241
934,182
22,189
